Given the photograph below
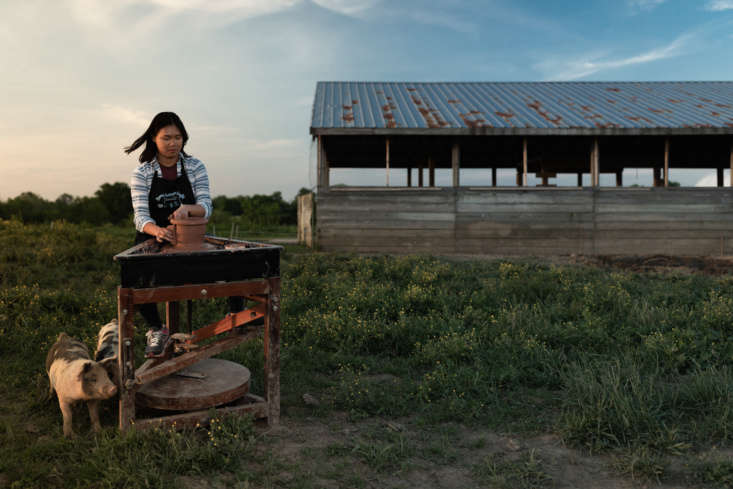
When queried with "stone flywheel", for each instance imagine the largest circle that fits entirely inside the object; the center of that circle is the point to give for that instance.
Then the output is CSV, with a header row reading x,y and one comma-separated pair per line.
x,y
208,383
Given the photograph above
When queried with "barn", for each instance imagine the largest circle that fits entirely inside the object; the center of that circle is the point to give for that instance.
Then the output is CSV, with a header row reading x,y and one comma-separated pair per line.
x,y
565,145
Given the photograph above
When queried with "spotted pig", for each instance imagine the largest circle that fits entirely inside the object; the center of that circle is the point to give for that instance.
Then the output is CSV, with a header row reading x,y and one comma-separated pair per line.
x,y
107,348
75,377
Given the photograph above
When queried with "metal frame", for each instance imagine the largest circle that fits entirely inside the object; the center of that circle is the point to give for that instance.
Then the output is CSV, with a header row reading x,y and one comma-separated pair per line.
x,y
229,332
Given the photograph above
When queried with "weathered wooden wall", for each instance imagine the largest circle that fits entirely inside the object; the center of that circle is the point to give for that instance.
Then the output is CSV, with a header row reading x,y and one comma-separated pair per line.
x,y
305,219
532,222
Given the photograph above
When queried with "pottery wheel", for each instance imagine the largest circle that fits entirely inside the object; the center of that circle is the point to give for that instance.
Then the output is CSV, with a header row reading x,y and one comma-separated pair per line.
x,y
206,384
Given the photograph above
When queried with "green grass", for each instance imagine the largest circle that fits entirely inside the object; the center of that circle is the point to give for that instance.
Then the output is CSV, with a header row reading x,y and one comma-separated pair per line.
x,y
231,226
525,472
639,366
716,473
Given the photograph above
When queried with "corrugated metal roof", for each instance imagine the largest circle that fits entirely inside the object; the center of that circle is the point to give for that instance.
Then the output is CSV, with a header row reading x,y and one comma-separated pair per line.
x,y
523,107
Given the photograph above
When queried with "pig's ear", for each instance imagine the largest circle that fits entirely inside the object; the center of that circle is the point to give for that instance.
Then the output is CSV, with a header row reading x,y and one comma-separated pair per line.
x,y
86,368
109,364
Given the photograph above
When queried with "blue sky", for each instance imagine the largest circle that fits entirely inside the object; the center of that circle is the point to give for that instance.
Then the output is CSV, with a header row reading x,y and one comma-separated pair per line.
x,y
82,78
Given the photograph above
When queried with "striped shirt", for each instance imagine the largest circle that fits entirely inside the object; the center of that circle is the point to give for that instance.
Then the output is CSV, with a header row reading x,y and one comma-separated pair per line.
x,y
142,179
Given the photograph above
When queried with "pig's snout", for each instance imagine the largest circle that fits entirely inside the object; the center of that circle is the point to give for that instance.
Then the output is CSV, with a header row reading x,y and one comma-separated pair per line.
x,y
109,391
99,386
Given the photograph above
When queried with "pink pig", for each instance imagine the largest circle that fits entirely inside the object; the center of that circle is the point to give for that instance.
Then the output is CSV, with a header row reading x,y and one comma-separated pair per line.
x,y
75,377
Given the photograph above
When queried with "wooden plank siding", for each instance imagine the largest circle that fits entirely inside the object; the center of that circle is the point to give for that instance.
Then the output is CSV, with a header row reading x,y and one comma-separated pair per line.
x,y
527,222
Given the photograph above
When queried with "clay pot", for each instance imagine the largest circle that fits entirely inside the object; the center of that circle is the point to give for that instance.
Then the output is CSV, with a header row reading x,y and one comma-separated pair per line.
x,y
189,233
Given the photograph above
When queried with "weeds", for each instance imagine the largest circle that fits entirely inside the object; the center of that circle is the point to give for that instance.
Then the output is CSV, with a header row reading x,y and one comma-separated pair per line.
x,y
525,472
640,366
132,459
642,463
717,473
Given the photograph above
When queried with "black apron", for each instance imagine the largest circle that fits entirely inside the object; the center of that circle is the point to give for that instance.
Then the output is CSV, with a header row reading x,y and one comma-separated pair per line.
x,y
166,196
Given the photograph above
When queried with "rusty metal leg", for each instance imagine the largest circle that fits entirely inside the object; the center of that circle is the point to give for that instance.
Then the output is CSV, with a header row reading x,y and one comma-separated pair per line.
x,y
272,353
126,358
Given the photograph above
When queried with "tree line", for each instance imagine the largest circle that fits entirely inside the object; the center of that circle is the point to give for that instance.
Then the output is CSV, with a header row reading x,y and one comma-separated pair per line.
x,y
111,203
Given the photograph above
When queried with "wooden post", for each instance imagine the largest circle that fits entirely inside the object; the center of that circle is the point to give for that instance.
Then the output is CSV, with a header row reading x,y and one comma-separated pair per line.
x,y
431,171
493,173
126,358
666,162
519,177
419,175
455,160
731,165
409,176
524,162
322,165
620,178
580,179
305,221
387,159
657,176
272,353
595,165
720,177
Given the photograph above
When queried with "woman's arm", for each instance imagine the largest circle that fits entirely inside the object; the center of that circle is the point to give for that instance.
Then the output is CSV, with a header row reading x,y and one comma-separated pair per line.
x,y
139,189
200,185
199,180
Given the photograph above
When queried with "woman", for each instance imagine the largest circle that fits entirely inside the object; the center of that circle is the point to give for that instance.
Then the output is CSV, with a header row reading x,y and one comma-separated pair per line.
x,y
168,184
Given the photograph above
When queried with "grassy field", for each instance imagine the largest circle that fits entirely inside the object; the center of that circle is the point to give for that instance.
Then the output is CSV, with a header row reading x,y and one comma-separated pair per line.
x,y
481,370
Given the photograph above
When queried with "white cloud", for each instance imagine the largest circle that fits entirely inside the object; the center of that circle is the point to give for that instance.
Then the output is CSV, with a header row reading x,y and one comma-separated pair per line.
x,y
442,19
248,8
268,145
126,116
645,5
719,5
146,16
590,64
351,8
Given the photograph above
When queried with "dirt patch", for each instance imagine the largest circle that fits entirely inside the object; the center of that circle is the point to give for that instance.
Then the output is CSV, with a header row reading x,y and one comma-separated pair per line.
x,y
661,263
339,453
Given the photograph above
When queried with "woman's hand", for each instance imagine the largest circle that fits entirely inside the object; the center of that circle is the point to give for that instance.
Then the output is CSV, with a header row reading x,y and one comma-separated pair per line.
x,y
186,211
160,234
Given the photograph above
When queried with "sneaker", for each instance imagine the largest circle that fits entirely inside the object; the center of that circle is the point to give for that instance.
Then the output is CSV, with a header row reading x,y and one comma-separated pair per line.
x,y
157,339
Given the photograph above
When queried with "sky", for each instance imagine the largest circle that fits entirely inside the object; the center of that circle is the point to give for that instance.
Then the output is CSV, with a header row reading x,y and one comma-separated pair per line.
x,y
82,79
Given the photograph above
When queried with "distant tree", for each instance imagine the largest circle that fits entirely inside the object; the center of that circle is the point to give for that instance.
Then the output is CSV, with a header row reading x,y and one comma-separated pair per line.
x,y
112,204
232,205
29,207
90,210
63,207
302,191
64,199
115,198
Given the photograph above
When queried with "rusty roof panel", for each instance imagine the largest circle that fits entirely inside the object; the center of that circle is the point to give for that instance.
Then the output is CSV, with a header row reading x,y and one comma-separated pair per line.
x,y
527,105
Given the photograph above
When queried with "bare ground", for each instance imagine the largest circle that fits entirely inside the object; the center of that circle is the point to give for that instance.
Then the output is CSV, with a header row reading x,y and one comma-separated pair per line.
x,y
333,453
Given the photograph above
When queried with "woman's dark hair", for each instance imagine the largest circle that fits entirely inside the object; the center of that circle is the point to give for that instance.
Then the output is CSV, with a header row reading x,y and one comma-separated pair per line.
x,y
159,122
